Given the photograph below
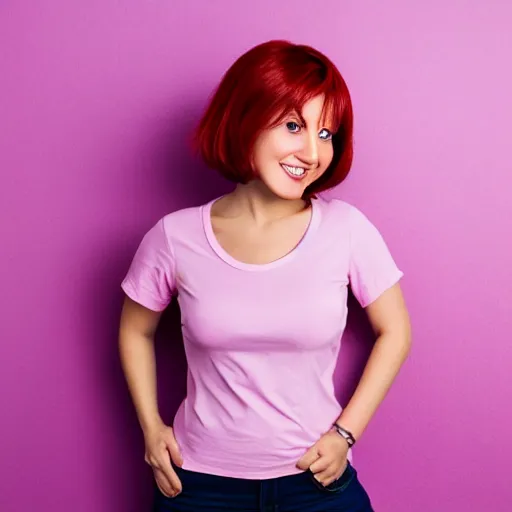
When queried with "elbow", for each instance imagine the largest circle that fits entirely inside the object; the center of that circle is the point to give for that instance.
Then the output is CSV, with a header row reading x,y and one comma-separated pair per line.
x,y
405,338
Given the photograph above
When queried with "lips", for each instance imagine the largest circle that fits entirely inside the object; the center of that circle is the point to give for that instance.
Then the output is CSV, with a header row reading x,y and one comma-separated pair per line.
x,y
297,173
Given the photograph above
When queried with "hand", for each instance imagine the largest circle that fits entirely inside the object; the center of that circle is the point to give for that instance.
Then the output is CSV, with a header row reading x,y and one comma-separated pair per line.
x,y
327,458
161,448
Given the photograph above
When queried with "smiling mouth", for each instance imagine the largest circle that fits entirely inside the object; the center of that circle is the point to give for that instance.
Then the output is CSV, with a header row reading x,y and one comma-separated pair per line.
x,y
294,172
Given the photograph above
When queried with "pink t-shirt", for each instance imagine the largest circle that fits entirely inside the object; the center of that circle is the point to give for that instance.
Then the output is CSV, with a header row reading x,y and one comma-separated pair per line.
x,y
261,340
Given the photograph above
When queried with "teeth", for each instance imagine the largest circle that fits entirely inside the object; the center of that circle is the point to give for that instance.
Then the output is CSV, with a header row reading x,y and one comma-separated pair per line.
x,y
296,171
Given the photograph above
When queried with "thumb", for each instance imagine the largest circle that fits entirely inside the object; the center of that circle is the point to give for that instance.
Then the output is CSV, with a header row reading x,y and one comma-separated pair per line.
x,y
174,451
308,458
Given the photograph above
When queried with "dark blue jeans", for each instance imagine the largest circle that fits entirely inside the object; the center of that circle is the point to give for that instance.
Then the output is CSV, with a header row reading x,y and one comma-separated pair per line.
x,y
294,493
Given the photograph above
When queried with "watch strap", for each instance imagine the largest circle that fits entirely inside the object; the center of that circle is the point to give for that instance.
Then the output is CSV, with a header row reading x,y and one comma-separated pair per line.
x,y
346,434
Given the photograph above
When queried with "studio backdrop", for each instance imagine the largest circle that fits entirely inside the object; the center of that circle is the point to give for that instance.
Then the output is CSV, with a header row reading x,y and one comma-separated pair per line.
x,y
97,103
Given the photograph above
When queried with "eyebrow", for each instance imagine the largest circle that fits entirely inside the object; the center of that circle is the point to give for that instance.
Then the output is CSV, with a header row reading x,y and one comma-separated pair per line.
x,y
299,115
303,121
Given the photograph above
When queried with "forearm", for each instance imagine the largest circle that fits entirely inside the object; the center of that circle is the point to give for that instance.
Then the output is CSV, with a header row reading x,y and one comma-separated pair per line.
x,y
387,356
137,353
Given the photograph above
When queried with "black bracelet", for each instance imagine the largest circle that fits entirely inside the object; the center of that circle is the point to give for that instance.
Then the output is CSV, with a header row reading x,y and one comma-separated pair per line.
x,y
345,434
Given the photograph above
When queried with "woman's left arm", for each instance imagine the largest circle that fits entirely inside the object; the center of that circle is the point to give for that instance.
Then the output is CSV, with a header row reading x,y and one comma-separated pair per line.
x,y
327,458
389,319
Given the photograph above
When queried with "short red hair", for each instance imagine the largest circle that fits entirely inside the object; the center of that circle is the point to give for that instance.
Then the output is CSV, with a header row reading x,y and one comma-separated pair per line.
x,y
259,90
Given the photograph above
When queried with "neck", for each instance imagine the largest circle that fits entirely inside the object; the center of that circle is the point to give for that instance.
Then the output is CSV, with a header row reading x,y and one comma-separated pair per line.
x,y
255,200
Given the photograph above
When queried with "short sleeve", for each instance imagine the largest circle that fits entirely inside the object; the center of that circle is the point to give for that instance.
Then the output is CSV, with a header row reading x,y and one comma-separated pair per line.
x,y
372,269
150,280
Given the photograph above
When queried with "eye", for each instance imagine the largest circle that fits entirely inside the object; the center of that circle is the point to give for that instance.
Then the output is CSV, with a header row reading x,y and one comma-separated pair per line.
x,y
293,126
325,134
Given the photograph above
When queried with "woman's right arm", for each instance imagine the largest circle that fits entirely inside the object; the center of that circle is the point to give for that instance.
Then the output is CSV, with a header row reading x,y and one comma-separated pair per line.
x,y
137,352
136,349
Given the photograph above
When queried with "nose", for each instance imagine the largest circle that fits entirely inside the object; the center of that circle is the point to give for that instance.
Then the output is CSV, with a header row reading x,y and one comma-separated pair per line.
x,y
309,153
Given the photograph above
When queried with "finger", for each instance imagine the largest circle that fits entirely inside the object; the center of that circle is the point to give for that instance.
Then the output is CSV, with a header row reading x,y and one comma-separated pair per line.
x,y
171,475
321,464
328,476
174,450
308,458
325,477
163,484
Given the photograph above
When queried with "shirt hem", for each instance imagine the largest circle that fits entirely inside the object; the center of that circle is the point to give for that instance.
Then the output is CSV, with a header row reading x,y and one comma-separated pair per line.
x,y
190,465
397,276
143,301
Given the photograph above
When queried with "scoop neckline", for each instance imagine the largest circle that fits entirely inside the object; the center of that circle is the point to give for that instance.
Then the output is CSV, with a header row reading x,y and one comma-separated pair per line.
x,y
230,260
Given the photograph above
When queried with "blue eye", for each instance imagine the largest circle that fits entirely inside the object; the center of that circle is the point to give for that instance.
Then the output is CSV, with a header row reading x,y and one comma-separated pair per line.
x,y
325,134
292,126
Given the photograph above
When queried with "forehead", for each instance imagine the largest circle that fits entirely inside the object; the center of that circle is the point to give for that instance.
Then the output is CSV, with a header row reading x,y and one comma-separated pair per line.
x,y
316,112
313,107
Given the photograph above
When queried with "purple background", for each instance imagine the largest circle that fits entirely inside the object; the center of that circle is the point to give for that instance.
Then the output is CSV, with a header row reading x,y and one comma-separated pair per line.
x,y
97,100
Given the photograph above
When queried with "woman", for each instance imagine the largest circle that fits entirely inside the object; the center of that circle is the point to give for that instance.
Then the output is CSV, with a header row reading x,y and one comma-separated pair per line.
x,y
261,277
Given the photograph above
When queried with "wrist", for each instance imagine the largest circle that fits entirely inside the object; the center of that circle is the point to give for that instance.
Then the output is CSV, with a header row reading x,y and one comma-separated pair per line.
x,y
345,434
150,425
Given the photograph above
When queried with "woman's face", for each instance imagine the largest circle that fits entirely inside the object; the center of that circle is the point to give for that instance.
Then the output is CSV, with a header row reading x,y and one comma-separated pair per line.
x,y
289,157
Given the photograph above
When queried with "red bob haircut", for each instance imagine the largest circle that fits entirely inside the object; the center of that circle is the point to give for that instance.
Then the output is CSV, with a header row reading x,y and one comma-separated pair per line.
x,y
263,86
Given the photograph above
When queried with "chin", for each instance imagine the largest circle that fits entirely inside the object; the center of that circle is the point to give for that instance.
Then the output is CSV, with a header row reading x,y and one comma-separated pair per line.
x,y
289,191
291,197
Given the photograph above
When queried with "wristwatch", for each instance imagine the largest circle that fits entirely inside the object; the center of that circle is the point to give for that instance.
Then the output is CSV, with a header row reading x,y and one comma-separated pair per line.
x,y
345,434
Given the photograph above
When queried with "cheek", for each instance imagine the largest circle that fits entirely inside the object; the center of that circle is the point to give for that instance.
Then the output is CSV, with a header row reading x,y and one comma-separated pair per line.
x,y
325,157
327,154
284,147
291,145
276,150
259,154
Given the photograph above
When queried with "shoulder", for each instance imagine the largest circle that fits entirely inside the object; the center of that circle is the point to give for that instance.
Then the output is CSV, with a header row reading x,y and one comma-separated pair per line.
x,y
339,210
183,228
177,224
347,219
181,221
176,217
